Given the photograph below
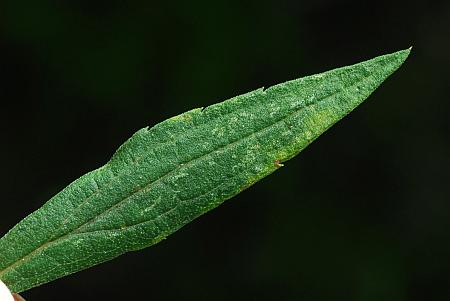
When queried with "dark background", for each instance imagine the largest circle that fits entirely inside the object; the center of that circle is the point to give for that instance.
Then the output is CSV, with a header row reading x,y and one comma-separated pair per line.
x,y
361,214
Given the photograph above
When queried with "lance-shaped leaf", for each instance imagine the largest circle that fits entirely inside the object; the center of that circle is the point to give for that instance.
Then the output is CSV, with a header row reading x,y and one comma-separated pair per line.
x,y
165,176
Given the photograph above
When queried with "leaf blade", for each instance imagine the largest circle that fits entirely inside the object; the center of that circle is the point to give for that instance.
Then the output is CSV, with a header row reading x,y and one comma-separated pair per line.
x,y
166,176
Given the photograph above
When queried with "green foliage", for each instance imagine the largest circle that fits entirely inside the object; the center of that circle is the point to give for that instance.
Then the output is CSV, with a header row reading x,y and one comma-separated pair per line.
x,y
164,177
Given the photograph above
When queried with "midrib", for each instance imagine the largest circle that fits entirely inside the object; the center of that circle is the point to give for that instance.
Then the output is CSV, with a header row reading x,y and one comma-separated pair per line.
x,y
24,259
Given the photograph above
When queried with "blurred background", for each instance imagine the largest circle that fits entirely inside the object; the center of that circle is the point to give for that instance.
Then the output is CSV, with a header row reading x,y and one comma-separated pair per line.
x,y
362,214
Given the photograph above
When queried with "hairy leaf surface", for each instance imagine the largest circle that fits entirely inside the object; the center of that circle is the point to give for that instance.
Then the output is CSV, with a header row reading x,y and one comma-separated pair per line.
x,y
165,176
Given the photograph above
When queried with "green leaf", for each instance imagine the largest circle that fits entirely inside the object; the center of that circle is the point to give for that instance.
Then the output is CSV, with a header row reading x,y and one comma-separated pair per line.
x,y
164,177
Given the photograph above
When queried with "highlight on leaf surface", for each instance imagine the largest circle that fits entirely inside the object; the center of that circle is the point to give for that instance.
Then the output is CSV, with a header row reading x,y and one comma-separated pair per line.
x,y
165,176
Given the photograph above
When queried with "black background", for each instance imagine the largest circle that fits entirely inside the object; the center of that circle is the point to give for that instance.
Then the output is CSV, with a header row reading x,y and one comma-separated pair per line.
x,y
361,214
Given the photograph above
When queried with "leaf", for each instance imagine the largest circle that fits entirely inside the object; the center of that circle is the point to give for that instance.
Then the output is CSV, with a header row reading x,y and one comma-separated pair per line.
x,y
164,177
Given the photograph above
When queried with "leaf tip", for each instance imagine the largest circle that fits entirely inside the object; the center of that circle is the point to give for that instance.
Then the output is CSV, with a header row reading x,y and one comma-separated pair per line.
x,y
403,54
396,59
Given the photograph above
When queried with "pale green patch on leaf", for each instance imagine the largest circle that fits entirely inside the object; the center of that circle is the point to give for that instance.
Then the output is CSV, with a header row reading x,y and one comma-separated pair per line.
x,y
165,176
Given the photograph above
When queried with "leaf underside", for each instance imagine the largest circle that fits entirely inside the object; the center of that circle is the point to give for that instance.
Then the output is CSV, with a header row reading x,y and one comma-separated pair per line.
x,y
165,176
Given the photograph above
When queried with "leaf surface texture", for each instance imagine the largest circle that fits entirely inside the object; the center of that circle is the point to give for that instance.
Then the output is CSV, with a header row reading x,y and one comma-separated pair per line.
x,y
165,176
